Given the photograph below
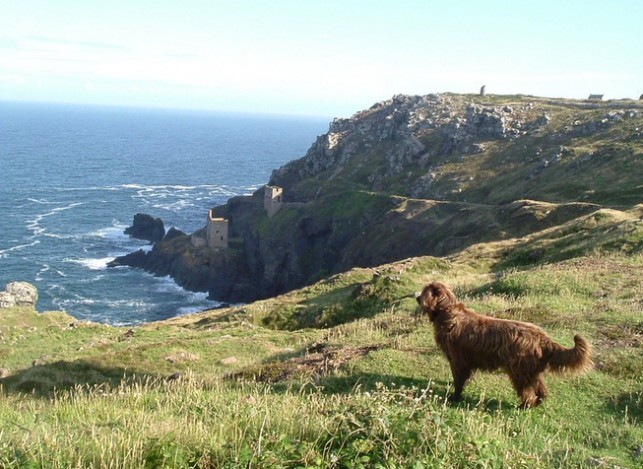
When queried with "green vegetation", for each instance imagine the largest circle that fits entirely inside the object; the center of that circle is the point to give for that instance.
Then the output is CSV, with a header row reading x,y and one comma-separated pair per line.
x,y
338,374
343,373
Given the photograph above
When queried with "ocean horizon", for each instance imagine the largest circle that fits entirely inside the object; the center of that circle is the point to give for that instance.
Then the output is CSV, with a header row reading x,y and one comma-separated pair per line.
x,y
74,176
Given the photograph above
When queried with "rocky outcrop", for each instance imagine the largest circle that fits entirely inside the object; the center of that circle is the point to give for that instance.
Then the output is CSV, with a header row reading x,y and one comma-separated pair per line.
x,y
411,176
194,267
303,243
405,133
20,294
147,228
416,145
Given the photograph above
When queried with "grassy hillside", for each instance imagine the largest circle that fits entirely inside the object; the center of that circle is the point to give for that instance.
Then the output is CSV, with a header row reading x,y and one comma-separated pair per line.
x,y
343,373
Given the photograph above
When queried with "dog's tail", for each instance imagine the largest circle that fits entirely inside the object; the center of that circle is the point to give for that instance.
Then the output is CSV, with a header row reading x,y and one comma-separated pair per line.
x,y
571,360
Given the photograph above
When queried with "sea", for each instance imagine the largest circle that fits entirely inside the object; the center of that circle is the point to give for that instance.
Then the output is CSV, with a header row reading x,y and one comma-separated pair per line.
x,y
72,178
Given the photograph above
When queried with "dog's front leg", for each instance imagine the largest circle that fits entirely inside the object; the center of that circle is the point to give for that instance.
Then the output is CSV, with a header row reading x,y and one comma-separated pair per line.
x,y
461,375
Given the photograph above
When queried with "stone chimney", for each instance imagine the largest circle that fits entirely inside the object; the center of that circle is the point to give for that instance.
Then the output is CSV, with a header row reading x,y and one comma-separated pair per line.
x,y
216,231
272,199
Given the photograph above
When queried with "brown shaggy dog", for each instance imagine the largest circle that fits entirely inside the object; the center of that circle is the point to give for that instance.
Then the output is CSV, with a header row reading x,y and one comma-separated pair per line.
x,y
472,342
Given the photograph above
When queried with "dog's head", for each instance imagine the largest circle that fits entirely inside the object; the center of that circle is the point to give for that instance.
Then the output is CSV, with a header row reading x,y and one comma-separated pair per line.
x,y
435,298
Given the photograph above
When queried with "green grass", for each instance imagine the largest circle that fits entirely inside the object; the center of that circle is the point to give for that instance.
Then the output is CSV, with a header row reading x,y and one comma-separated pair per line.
x,y
367,389
338,374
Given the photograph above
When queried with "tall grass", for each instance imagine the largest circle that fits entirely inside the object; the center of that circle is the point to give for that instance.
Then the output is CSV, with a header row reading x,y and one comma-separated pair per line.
x,y
196,424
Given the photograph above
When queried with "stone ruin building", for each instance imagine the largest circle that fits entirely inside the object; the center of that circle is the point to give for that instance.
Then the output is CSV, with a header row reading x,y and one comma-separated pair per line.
x,y
216,231
272,199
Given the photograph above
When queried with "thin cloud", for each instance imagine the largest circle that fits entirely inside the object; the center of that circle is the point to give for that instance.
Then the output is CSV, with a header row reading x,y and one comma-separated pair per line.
x,y
75,43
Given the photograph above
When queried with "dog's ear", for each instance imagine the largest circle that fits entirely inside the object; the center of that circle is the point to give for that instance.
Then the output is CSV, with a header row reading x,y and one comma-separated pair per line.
x,y
424,297
428,301
443,294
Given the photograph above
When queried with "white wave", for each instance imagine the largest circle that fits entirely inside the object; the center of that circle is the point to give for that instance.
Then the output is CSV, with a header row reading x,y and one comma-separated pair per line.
x,y
19,247
94,279
82,306
165,189
59,236
41,201
174,187
79,300
132,186
88,188
198,297
34,225
114,232
47,268
128,303
179,205
91,263
191,310
168,285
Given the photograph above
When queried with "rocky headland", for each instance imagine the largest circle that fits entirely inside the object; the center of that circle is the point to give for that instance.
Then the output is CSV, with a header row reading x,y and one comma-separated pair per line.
x,y
412,176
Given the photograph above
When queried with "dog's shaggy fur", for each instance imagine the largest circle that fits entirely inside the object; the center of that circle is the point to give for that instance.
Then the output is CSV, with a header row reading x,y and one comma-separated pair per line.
x,y
473,342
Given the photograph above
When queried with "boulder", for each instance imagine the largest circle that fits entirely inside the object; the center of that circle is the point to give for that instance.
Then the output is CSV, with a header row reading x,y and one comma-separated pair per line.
x,y
147,228
133,259
7,300
173,233
19,294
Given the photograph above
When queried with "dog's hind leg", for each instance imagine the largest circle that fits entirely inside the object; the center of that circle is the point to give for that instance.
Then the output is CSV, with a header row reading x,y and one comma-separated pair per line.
x,y
540,388
526,387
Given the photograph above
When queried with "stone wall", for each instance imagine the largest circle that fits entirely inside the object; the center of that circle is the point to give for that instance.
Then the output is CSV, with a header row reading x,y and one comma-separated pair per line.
x,y
272,199
216,231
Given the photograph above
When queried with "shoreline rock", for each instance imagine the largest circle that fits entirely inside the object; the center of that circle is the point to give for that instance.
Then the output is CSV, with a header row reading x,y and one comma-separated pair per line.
x,y
147,228
19,294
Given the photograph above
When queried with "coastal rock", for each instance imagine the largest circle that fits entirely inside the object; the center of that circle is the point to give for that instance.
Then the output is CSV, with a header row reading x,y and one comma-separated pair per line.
x,y
147,228
173,233
7,300
19,294
133,259
195,268
410,176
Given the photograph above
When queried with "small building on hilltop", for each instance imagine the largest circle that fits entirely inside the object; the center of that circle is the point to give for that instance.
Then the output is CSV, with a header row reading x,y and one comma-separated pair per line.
x,y
595,97
272,199
216,231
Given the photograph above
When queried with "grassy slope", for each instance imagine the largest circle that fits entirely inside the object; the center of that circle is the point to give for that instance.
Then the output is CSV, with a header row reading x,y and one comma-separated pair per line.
x,y
341,373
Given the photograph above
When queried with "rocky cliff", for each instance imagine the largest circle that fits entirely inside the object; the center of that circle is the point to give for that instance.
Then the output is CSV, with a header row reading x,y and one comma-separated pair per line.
x,y
490,149
416,175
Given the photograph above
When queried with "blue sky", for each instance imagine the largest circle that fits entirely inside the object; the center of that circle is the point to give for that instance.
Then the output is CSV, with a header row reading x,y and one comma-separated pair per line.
x,y
328,58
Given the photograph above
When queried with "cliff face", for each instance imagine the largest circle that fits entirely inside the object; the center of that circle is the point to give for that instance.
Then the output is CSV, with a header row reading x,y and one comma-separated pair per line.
x,y
489,149
416,175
